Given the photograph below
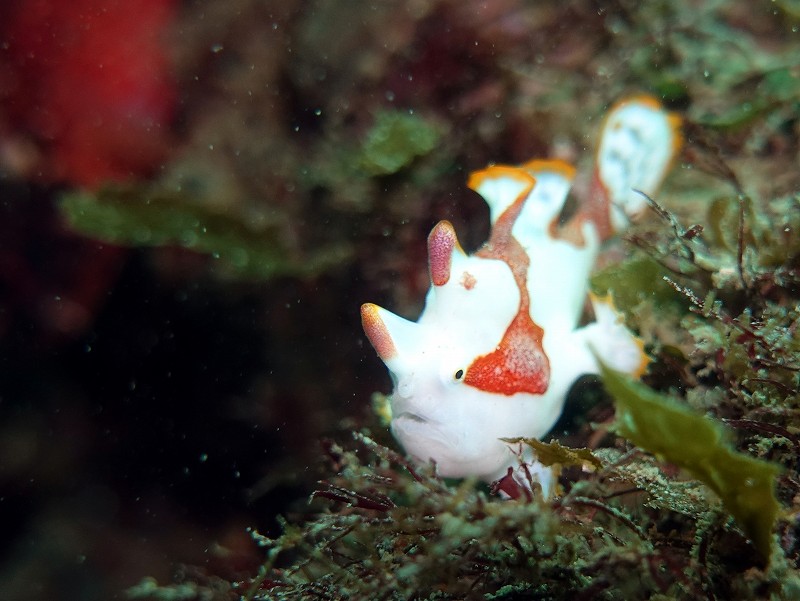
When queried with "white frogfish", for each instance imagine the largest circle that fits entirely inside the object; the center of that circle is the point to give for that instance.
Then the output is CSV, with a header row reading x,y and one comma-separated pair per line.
x,y
498,345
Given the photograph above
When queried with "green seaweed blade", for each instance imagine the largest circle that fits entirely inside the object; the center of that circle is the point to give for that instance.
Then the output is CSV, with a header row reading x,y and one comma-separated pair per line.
x,y
140,216
694,442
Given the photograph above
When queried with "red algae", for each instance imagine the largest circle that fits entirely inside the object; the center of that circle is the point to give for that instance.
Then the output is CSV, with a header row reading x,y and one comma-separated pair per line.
x,y
90,82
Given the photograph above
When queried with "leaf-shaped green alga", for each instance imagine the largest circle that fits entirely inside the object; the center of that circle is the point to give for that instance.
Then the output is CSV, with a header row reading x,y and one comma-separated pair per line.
x,y
552,453
136,215
698,444
395,140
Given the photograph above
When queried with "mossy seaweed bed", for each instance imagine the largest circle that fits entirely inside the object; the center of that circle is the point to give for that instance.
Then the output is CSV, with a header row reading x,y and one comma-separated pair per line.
x,y
680,497
219,379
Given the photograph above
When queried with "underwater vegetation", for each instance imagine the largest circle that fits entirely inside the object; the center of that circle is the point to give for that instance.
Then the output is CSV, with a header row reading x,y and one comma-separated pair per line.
x,y
90,84
186,387
259,243
690,490
664,507
687,492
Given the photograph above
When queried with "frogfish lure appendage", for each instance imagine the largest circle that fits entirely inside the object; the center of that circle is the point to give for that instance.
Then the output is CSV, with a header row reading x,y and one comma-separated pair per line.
x,y
498,345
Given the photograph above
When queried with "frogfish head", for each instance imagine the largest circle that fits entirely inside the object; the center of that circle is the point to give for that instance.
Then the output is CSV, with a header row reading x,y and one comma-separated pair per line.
x,y
440,410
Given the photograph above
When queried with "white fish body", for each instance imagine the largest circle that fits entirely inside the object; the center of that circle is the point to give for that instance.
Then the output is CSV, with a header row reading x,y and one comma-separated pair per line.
x,y
498,346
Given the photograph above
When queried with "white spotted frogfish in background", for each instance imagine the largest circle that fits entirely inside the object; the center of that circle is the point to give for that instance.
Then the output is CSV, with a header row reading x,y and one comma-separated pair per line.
x,y
498,346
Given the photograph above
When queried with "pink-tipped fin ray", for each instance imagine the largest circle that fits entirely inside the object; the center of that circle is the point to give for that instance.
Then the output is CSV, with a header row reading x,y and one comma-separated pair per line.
x,y
442,243
390,334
